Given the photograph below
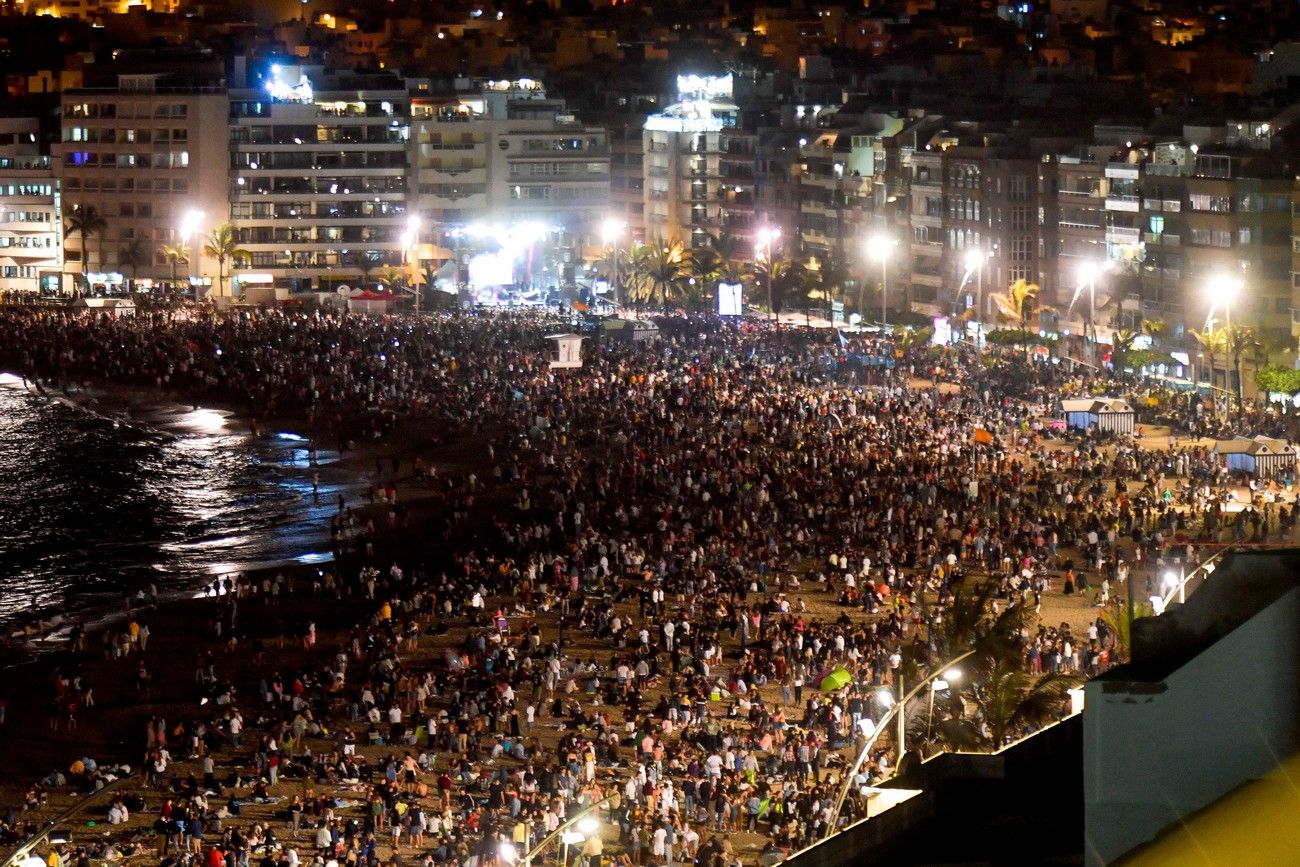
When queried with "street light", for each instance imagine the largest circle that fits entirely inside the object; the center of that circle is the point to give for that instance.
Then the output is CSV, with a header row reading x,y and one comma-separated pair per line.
x,y
974,261
189,227
611,230
950,677
1223,290
1088,271
410,245
765,238
879,247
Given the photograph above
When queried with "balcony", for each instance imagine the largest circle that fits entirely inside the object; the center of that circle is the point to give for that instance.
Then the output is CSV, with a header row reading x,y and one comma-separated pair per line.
x,y
1163,239
1121,235
1121,202
1122,171
1170,205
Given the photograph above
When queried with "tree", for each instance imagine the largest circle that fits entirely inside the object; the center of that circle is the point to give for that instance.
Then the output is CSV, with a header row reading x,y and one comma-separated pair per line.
x,y
658,269
1241,339
223,245
392,276
827,277
1214,343
1281,380
84,221
1116,617
784,280
367,262
704,265
175,254
132,255
1012,700
1018,302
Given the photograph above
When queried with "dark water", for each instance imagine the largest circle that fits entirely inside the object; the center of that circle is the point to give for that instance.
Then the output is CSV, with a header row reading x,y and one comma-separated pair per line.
x,y
92,506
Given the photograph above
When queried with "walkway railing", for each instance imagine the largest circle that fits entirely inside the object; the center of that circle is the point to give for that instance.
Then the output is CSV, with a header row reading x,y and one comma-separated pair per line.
x,y
1185,582
19,855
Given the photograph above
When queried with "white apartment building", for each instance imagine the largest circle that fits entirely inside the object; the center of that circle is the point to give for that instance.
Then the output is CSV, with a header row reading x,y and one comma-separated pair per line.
x,y
150,157
318,177
500,152
31,249
698,167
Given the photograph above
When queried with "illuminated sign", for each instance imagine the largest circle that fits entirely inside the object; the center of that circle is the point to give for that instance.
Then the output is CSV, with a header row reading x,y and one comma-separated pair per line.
x,y
704,86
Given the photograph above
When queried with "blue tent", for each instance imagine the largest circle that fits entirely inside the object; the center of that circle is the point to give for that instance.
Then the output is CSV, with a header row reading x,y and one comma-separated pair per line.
x,y
1103,413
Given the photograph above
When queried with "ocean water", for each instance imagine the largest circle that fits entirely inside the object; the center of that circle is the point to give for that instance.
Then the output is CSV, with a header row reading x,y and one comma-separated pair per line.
x,y
93,506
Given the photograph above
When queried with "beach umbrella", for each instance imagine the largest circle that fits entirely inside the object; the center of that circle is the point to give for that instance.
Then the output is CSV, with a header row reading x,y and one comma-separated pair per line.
x,y
837,679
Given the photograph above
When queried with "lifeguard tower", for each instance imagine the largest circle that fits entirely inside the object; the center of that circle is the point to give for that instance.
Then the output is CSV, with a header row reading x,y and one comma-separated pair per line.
x,y
568,351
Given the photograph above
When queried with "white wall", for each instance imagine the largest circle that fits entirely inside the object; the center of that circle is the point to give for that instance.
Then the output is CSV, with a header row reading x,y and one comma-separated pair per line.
x,y
1154,752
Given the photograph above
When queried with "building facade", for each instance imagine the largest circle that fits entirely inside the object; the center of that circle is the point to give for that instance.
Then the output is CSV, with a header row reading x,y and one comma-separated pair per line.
x,y
318,178
144,156
31,236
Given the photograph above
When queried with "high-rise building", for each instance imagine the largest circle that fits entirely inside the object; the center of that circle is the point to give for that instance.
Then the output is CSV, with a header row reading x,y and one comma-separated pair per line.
x,y
691,174
500,152
31,248
149,156
318,177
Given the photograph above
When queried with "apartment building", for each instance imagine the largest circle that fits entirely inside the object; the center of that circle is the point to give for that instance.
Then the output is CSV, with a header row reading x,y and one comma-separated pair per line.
x,y
694,159
500,152
976,199
1238,224
31,237
318,177
144,155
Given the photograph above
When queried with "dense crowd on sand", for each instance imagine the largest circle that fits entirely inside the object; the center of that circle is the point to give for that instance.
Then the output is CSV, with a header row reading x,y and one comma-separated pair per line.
x,y
698,530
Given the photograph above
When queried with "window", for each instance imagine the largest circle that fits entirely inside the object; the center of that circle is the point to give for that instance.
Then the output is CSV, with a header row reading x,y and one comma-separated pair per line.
x,y
1019,219
1216,204
1211,238
1243,235
1018,191
1020,249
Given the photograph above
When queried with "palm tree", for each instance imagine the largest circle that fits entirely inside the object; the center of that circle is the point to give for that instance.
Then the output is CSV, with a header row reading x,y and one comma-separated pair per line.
x,y
223,245
1240,339
1214,343
659,269
367,262
84,221
832,274
784,280
392,276
132,255
175,254
1013,700
1017,302
704,266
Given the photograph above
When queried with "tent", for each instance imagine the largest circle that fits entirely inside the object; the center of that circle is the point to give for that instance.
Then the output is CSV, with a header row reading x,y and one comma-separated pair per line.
x,y
1260,455
1111,414
369,301
629,330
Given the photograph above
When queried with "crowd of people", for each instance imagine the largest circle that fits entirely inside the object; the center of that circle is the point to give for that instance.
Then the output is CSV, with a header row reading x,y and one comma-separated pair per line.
x,y
700,530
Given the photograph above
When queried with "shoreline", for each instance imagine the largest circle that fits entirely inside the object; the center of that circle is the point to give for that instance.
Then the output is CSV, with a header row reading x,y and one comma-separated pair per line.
x,y
164,416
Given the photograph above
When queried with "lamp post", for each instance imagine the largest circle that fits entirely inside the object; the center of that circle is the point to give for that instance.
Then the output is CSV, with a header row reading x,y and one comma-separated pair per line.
x,y
887,701
974,261
766,237
577,829
611,229
878,248
189,227
950,677
1088,277
410,247
1223,290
